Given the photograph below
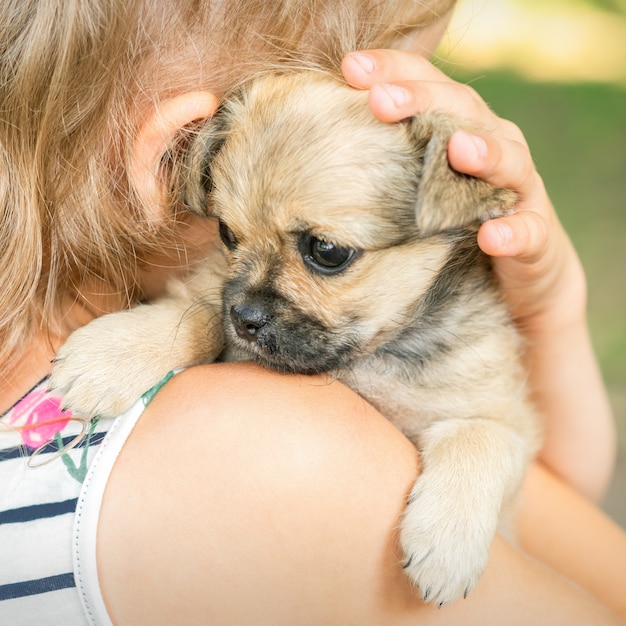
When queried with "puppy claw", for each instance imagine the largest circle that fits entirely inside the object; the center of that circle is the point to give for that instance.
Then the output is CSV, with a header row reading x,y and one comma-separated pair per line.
x,y
409,562
446,555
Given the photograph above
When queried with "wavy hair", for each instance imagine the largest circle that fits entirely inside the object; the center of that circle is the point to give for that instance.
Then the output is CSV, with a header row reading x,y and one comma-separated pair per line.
x,y
74,78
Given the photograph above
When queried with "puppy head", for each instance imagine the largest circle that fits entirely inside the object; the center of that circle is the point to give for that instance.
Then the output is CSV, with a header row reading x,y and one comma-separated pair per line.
x,y
335,224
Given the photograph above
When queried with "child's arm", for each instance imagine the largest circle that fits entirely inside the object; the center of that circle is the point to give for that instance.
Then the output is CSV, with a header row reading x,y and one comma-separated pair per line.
x,y
545,284
537,265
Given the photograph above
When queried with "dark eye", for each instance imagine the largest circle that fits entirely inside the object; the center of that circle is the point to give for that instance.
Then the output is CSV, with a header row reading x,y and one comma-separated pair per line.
x,y
227,235
323,256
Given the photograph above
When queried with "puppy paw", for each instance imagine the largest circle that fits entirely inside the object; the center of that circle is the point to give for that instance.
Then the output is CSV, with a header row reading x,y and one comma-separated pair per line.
x,y
104,367
446,543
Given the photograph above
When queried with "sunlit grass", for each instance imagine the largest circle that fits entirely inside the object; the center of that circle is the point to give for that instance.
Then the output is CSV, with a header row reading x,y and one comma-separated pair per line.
x,y
552,40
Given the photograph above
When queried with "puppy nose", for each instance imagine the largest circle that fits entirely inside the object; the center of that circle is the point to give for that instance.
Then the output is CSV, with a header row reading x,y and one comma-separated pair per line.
x,y
247,321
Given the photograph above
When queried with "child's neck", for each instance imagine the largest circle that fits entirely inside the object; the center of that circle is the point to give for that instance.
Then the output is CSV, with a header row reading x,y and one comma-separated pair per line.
x,y
25,368
21,372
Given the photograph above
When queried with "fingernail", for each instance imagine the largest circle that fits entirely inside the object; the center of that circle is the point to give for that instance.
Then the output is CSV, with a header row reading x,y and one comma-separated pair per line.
x,y
505,234
366,63
398,95
480,145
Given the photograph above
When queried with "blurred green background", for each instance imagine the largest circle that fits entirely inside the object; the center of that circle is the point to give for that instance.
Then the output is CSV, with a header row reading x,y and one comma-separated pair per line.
x,y
558,70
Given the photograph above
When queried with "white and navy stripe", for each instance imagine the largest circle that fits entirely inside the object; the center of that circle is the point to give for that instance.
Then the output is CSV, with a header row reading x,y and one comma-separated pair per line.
x,y
38,497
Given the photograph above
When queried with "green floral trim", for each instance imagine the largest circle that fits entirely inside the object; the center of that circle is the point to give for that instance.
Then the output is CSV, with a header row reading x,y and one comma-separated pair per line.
x,y
79,472
149,395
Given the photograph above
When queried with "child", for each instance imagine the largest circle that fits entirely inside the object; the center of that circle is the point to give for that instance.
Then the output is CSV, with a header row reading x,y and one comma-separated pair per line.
x,y
232,498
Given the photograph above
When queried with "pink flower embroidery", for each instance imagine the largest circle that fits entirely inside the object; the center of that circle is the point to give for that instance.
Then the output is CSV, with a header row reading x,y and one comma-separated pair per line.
x,y
39,417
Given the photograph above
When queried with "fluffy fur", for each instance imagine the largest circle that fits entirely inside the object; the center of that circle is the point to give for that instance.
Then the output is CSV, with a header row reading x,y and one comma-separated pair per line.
x,y
351,249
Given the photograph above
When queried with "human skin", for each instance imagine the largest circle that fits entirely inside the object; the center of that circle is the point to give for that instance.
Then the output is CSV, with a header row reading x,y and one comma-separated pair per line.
x,y
246,496
538,268
224,509
326,490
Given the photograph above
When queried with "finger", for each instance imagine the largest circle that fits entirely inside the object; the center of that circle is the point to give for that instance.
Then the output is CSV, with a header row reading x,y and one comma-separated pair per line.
x,y
392,102
501,161
404,84
524,236
365,69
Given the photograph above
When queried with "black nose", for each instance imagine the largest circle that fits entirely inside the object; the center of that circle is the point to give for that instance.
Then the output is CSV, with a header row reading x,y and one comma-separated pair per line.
x,y
248,320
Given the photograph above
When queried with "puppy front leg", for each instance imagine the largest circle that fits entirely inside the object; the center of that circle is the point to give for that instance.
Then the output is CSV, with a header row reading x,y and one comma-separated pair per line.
x,y
470,468
105,366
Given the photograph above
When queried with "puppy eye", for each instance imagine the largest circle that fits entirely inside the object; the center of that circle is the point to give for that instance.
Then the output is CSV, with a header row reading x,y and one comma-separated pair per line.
x,y
323,256
227,236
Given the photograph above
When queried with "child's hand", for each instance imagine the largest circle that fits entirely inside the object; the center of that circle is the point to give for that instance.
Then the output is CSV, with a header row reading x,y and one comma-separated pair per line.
x,y
538,268
536,263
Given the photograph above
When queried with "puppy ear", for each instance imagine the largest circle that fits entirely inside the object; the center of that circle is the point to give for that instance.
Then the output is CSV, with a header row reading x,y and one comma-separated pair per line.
x,y
196,179
447,199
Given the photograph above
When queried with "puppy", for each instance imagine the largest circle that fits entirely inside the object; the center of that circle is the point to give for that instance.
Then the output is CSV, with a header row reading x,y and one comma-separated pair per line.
x,y
350,249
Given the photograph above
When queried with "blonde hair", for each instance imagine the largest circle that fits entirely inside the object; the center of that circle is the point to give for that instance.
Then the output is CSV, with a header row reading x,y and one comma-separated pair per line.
x,y
74,76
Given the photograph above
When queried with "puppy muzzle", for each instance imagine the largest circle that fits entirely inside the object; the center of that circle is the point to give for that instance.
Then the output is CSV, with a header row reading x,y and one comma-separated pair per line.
x,y
249,322
280,336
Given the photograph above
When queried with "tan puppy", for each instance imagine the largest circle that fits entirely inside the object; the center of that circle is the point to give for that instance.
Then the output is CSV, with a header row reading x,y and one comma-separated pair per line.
x,y
351,249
